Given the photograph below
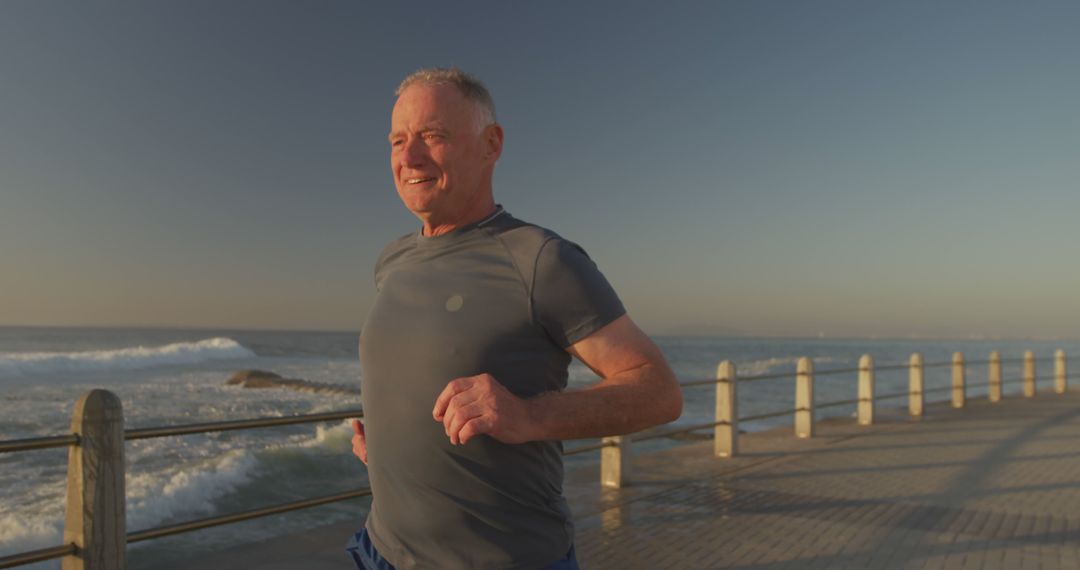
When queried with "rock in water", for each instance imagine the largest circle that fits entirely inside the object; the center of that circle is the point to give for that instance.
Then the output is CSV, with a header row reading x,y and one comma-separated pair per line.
x,y
264,379
255,379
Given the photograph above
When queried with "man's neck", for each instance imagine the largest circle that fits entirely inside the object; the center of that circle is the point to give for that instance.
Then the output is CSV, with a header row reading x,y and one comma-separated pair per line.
x,y
434,228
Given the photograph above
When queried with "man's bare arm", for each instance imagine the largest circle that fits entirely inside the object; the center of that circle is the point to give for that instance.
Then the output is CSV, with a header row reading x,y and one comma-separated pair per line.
x,y
637,390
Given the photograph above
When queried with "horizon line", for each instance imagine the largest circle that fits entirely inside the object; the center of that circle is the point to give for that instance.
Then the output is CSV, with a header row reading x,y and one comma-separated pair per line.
x,y
738,335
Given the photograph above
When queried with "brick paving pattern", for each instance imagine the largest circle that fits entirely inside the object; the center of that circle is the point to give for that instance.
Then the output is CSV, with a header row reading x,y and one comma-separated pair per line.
x,y
988,486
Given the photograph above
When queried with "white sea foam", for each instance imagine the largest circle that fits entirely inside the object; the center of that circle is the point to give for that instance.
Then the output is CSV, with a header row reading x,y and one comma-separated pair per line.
x,y
161,491
770,365
34,363
152,498
334,436
155,497
32,519
20,534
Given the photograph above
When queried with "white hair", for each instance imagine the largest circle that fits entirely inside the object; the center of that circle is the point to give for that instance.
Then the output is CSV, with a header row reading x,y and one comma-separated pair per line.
x,y
469,86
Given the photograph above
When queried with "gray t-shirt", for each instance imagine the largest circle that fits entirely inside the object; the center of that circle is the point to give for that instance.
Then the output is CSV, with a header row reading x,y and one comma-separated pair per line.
x,y
503,297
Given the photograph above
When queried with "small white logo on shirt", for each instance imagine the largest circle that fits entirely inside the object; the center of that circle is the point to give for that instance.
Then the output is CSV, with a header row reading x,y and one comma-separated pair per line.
x,y
454,303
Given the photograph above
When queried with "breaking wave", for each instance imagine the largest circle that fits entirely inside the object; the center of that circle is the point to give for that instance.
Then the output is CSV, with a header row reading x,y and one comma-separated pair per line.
x,y
32,363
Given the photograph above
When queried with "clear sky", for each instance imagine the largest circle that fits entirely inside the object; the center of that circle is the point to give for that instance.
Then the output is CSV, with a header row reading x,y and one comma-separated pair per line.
x,y
753,167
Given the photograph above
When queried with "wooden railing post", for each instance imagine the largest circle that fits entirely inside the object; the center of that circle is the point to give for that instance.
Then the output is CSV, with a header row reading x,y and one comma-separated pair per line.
x,y
1061,378
866,390
995,377
959,391
95,485
1029,374
804,398
915,385
726,435
615,461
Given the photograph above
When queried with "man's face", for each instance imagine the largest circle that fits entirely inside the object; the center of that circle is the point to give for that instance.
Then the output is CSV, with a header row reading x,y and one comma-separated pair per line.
x,y
440,156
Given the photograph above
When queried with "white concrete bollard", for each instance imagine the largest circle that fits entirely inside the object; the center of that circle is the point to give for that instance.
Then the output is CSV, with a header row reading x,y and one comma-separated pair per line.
x,y
959,388
915,385
804,398
995,377
1029,374
866,390
726,434
1061,377
615,461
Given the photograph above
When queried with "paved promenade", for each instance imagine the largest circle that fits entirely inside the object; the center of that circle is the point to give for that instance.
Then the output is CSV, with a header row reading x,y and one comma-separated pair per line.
x,y
988,486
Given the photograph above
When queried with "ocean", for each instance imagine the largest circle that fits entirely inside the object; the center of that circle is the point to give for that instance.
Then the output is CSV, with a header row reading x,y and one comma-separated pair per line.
x,y
169,377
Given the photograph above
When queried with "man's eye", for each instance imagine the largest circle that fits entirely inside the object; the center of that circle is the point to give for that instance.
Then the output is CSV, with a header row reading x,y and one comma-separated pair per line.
x,y
397,142
432,136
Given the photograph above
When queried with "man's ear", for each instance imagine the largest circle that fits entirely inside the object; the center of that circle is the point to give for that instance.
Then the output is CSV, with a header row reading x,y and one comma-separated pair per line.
x,y
493,140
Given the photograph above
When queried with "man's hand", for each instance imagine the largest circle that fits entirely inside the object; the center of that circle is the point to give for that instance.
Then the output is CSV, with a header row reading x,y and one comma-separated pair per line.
x,y
637,390
359,442
480,405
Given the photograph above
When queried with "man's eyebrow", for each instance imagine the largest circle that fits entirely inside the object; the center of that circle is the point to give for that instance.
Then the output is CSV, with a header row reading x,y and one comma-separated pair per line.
x,y
432,128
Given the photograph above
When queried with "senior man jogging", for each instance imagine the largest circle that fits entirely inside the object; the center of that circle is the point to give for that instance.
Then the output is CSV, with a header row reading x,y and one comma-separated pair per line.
x,y
464,356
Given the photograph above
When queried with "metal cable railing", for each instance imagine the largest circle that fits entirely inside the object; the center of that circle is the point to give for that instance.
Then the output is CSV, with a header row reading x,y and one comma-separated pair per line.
x,y
35,443
208,522
41,555
936,390
841,403
675,431
208,427
777,414
826,372
742,379
768,415
831,371
896,395
32,443
587,448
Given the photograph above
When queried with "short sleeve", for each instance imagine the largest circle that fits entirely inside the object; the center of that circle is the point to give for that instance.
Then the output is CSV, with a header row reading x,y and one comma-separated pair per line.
x,y
571,299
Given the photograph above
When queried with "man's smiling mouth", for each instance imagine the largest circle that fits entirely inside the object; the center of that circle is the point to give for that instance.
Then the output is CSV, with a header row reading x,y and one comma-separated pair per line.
x,y
419,180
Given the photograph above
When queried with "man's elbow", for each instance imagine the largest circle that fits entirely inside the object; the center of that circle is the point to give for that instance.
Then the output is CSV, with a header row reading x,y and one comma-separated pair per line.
x,y
672,403
668,400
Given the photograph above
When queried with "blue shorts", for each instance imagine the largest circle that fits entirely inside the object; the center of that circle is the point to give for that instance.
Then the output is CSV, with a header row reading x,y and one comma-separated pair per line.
x,y
367,558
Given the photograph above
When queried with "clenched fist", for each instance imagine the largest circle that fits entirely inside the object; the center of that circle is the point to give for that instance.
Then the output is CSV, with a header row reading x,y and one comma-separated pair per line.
x,y
480,405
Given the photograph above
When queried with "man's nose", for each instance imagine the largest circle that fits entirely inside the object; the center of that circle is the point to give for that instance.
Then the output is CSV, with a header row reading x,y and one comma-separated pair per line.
x,y
413,153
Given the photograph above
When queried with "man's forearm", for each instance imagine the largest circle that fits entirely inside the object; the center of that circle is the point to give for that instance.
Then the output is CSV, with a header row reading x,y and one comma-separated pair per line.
x,y
624,403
